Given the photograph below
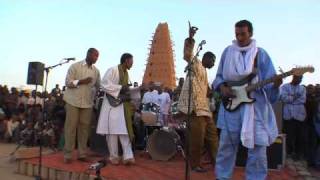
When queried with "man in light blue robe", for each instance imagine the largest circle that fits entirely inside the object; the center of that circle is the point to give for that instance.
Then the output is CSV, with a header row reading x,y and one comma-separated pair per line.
x,y
264,128
293,96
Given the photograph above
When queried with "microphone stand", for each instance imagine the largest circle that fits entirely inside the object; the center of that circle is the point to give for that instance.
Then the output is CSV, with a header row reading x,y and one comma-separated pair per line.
x,y
44,115
98,174
190,76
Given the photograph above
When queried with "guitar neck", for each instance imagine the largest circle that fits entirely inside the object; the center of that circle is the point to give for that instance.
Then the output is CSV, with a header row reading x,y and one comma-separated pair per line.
x,y
267,81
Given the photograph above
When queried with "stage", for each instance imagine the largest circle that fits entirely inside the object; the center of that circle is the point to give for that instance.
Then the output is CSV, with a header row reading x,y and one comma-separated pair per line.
x,y
145,168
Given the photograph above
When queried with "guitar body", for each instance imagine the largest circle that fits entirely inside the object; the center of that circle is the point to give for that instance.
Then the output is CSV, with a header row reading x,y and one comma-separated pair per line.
x,y
242,88
114,102
242,96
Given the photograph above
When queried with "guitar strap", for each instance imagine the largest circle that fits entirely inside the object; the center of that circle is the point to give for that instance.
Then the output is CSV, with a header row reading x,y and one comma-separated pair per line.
x,y
254,68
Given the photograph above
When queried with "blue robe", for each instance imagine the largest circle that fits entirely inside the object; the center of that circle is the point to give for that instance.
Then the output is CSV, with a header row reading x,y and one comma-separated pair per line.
x,y
293,98
230,124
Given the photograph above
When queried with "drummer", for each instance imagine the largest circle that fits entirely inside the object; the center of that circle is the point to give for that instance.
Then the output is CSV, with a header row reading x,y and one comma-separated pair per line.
x,y
151,95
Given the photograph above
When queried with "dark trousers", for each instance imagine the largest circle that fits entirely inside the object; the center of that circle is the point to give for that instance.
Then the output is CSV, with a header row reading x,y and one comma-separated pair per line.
x,y
295,136
313,146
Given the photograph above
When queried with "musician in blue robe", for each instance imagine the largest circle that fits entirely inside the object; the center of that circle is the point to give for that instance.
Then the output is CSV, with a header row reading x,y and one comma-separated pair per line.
x,y
254,125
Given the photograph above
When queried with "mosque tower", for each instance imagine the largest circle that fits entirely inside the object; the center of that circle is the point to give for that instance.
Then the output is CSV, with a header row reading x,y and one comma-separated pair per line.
x,y
160,63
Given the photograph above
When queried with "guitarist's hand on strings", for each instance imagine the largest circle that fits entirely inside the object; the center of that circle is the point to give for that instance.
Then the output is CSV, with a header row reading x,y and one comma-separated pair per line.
x,y
277,82
226,91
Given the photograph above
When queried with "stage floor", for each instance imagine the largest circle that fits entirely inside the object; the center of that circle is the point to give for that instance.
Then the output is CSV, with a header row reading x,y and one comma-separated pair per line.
x,y
144,169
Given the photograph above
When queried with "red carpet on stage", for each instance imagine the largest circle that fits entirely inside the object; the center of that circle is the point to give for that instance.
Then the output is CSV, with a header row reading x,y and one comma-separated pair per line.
x,y
146,169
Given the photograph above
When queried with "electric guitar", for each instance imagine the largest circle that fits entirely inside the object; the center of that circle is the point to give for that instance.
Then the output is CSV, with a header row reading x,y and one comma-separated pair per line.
x,y
241,89
124,96
114,102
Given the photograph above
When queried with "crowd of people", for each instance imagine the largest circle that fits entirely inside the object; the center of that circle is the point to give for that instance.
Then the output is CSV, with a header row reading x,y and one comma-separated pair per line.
x,y
25,116
301,105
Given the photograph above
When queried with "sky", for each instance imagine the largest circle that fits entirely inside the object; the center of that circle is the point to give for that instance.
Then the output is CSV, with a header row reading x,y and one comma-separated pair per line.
x,y
48,31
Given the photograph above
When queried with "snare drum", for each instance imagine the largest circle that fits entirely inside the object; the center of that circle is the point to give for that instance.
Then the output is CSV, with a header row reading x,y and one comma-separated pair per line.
x,y
150,114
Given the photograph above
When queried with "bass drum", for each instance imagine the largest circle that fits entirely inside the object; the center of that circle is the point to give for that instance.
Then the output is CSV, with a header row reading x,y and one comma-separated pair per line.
x,y
162,144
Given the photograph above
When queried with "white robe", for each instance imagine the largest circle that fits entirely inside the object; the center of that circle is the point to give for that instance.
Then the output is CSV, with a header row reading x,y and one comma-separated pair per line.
x,y
111,119
164,100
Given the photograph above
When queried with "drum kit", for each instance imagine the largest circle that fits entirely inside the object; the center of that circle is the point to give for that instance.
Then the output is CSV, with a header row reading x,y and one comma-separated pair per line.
x,y
161,142
150,114
164,141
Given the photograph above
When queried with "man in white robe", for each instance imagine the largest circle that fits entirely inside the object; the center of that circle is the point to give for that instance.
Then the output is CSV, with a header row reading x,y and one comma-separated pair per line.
x,y
113,121
163,100
150,95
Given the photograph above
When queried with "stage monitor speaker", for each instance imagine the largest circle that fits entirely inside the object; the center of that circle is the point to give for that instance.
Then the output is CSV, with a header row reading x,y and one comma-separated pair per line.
x,y
35,73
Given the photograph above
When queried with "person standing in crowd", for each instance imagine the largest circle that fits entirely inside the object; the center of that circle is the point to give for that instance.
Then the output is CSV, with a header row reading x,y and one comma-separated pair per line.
x,y
1,96
116,120
202,126
83,78
34,97
315,153
56,91
12,128
311,134
177,90
260,130
164,101
23,98
293,96
11,101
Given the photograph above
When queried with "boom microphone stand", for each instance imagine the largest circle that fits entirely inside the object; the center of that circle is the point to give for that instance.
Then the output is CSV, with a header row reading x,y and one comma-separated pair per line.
x,y
190,75
47,70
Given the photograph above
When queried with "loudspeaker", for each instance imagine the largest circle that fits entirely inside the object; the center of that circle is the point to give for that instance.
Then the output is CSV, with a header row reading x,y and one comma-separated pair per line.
x,y
276,154
35,73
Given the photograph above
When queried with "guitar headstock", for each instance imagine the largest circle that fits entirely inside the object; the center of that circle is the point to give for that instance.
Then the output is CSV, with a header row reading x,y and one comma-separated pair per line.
x,y
299,71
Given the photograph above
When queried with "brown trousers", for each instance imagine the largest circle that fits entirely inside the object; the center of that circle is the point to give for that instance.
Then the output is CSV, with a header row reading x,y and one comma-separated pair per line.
x,y
203,134
77,122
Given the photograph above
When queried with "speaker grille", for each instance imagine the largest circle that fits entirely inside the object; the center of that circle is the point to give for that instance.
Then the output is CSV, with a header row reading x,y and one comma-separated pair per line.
x,y
35,73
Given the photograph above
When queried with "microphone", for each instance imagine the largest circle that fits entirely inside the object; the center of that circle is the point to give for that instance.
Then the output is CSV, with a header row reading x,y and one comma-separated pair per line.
x,y
203,42
70,59
98,165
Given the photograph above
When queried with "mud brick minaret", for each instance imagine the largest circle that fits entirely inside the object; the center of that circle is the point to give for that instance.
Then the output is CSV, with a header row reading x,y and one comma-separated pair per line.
x,y
160,63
